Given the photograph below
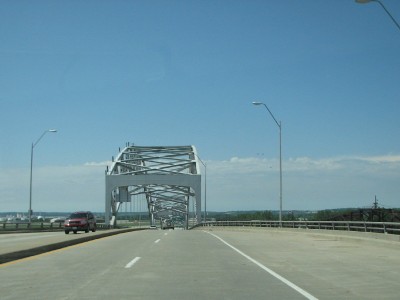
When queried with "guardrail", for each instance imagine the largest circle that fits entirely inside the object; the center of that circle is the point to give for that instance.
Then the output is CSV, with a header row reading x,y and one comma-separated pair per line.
x,y
378,227
12,226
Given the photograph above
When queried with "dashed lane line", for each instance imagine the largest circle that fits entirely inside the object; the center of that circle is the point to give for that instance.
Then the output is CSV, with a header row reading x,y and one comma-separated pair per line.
x,y
132,262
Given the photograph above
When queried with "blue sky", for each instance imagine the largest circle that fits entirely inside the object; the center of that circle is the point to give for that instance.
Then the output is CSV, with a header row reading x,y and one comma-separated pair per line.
x,y
104,73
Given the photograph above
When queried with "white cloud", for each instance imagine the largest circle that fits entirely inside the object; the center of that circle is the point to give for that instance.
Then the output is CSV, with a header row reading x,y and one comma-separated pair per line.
x,y
351,181
234,184
98,164
305,164
54,188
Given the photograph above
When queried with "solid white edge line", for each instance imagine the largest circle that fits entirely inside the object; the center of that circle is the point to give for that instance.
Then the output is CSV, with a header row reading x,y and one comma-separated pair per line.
x,y
276,275
132,262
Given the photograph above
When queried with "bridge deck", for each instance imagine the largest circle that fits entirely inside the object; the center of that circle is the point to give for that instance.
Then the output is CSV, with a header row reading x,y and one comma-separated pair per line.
x,y
213,263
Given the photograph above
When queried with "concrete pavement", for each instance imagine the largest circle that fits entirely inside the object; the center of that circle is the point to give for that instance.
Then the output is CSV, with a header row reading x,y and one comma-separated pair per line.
x,y
203,264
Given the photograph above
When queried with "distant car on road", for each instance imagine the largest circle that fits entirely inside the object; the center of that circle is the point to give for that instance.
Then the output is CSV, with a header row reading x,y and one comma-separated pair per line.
x,y
167,224
80,221
58,220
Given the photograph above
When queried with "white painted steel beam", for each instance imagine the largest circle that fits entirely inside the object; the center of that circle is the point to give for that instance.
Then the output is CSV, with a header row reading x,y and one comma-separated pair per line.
x,y
169,177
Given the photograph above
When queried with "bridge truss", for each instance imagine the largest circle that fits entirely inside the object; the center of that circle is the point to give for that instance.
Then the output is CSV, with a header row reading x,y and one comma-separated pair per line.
x,y
169,178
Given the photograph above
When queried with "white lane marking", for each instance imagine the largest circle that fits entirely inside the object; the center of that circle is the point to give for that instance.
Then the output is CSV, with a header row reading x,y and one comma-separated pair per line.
x,y
166,233
132,262
157,241
276,275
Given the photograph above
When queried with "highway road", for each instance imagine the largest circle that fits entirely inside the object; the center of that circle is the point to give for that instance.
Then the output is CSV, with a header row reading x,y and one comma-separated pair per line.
x,y
13,242
210,264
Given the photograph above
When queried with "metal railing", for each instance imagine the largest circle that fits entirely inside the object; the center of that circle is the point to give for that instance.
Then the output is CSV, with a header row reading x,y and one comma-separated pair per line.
x,y
360,226
377,227
20,226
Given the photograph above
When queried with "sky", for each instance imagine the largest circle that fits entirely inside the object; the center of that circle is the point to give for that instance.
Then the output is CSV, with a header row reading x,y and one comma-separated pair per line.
x,y
161,73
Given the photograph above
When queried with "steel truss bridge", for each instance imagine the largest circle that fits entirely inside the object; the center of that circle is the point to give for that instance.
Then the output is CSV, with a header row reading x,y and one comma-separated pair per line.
x,y
168,177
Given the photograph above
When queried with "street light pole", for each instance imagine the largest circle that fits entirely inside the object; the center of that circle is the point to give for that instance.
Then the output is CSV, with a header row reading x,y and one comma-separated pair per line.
x,y
30,185
384,8
280,159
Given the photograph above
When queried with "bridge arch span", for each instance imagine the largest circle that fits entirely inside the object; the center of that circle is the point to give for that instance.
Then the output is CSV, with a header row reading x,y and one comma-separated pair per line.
x,y
168,176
